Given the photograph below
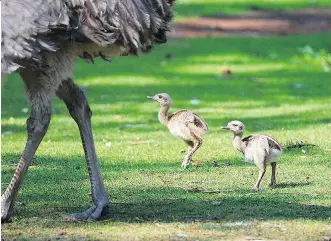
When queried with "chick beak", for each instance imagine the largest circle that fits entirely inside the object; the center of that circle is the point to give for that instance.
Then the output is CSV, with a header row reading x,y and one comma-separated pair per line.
x,y
225,128
150,97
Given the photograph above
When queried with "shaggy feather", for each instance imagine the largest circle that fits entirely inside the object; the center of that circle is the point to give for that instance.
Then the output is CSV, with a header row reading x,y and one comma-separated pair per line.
x,y
32,27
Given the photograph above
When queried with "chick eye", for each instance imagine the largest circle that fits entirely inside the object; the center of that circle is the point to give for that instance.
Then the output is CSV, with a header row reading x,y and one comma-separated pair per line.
x,y
160,96
234,124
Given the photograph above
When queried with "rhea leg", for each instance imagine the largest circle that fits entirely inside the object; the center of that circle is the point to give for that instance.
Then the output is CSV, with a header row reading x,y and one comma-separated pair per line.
x,y
37,125
80,111
262,169
190,153
273,175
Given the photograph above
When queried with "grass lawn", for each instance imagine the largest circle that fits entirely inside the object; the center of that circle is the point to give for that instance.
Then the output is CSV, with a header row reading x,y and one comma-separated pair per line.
x,y
278,87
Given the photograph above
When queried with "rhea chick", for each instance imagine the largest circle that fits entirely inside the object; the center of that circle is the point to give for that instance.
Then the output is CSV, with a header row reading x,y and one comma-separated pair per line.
x,y
184,124
259,149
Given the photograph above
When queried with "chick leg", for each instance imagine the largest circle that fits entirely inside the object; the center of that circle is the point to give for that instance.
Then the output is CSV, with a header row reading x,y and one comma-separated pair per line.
x,y
273,175
261,174
189,148
189,155
190,145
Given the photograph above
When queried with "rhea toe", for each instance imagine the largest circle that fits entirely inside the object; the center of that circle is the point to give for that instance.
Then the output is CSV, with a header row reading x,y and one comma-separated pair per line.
x,y
184,124
259,149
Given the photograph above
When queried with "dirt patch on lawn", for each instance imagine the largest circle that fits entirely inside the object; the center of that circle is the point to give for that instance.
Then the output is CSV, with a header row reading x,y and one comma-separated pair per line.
x,y
256,23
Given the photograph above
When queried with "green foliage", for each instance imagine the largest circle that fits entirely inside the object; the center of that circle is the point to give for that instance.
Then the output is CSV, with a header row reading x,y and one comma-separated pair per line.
x,y
321,57
193,8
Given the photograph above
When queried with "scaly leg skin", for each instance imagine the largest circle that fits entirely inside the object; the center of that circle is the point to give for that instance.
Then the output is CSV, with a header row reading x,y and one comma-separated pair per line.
x,y
189,155
261,174
273,175
190,145
80,111
37,126
189,148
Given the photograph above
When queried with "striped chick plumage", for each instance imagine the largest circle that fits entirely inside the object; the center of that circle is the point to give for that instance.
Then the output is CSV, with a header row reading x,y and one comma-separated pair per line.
x,y
259,149
184,124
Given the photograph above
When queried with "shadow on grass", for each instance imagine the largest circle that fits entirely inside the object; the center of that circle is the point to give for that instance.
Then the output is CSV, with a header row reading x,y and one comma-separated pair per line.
x,y
231,208
181,207
60,183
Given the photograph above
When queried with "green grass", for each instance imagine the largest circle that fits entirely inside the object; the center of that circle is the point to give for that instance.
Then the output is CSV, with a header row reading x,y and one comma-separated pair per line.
x,y
194,8
274,89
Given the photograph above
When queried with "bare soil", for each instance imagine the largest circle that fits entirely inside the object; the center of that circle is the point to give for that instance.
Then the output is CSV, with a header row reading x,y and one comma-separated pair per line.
x,y
255,23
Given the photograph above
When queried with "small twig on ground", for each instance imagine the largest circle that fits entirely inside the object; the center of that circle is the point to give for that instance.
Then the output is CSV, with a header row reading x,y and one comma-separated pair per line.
x,y
139,219
217,191
209,191
193,181
303,194
216,164
292,145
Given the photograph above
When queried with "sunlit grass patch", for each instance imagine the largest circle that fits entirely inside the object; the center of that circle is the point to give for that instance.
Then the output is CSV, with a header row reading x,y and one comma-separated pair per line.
x,y
240,68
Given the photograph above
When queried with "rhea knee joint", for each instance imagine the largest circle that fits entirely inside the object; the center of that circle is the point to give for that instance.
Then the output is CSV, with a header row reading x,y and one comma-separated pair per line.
x,y
80,107
37,127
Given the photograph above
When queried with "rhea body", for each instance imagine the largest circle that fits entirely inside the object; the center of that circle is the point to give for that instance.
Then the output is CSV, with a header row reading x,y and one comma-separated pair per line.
x,y
184,124
259,149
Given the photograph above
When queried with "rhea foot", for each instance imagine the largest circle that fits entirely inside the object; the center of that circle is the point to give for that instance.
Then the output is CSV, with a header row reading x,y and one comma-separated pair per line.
x,y
91,214
255,189
272,185
6,211
185,164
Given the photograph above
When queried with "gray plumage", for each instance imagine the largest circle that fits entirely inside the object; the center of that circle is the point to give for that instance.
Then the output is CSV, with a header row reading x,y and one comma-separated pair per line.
x,y
184,124
31,28
41,40
259,149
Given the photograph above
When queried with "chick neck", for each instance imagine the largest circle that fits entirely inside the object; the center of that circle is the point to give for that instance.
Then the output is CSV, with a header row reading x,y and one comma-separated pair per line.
x,y
237,142
163,114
